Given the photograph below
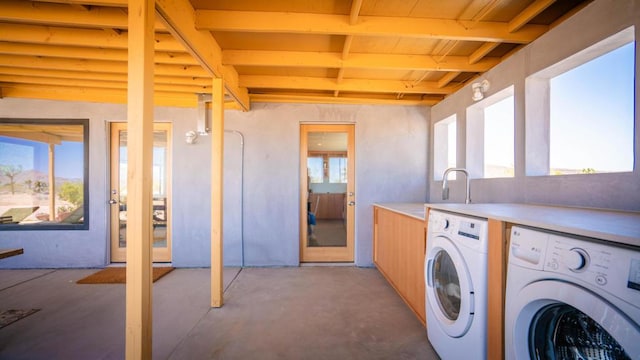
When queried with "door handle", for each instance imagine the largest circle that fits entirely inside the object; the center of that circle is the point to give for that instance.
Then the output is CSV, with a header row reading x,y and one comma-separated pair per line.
x,y
113,201
351,203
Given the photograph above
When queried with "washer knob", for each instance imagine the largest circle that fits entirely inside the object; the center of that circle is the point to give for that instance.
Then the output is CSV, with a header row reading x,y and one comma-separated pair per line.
x,y
576,259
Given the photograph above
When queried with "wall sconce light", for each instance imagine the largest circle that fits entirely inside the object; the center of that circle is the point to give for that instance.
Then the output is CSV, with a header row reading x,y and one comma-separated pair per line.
x,y
191,137
479,89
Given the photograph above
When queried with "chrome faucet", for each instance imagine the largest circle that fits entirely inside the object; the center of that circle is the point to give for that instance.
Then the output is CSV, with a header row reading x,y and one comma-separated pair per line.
x,y
445,187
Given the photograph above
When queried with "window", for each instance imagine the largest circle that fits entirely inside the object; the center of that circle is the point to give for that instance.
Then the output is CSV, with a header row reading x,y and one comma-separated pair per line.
x,y
444,137
587,122
499,139
338,170
44,174
315,169
490,136
327,170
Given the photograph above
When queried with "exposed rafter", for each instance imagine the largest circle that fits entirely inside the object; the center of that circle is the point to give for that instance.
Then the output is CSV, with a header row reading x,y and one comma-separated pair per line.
x,y
99,84
99,66
92,38
323,99
298,23
74,52
355,61
354,85
64,15
529,13
353,19
333,51
99,76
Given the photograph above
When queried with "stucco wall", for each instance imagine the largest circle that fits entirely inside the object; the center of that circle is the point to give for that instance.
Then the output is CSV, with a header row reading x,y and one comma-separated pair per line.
x,y
391,165
391,158
61,248
596,22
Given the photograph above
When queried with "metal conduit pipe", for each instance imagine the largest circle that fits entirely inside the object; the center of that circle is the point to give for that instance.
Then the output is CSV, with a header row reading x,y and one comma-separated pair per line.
x,y
241,192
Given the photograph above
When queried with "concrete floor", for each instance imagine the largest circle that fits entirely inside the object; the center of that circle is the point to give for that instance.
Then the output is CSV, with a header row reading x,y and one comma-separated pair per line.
x,y
269,313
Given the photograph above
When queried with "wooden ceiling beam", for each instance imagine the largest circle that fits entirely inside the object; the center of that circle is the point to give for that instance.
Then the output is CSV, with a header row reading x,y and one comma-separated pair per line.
x,y
75,93
529,13
76,52
350,100
355,61
99,84
356,5
95,38
113,3
179,18
118,96
325,24
353,85
97,76
482,51
447,78
64,15
98,66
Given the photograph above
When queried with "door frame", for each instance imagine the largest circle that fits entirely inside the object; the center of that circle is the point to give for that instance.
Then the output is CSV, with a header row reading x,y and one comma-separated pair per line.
x,y
118,254
329,253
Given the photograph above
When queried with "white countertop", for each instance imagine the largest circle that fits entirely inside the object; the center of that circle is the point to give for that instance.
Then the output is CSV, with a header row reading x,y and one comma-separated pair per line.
x,y
414,210
617,226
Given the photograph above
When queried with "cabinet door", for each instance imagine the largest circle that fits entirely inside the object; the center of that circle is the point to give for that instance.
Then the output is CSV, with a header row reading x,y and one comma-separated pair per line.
x,y
398,252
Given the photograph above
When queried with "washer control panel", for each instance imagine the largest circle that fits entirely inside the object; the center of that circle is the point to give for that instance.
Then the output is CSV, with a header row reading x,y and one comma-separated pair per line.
x,y
467,231
609,267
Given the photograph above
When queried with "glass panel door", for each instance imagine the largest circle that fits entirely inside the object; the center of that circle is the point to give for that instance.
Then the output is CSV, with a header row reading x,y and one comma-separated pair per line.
x,y
160,190
327,193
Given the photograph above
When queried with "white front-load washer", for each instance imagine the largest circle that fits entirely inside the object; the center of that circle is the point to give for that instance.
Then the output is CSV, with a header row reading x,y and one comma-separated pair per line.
x,y
456,285
571,298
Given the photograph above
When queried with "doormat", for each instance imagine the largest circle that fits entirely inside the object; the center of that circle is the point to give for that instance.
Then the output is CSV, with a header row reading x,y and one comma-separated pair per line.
x,y
10,316
118,275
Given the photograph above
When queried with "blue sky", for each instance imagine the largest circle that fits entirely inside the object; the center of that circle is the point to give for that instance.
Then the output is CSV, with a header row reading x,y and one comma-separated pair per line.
x,y
35,155
592,123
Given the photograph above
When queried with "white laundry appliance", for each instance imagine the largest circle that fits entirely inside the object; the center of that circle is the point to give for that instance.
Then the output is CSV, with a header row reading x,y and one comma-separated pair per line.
x,y
571,298
456,285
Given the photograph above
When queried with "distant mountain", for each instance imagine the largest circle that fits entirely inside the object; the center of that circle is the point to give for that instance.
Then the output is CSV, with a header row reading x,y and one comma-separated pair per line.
x,y
34,175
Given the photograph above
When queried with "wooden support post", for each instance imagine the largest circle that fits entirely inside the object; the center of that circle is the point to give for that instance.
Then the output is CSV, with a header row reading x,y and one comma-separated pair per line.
x,y
217,149
139,177
52,183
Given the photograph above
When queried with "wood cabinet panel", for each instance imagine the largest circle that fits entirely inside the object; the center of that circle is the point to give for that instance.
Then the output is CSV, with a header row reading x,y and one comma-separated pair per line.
x,y
399,244
328,205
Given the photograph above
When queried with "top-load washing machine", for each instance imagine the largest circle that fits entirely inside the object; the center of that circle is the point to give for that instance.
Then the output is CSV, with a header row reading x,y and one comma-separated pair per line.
x,y
571,298
456,285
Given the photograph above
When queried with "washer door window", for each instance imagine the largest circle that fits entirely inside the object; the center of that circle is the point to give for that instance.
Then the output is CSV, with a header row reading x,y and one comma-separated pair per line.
x,y
561,331
559,320
449,288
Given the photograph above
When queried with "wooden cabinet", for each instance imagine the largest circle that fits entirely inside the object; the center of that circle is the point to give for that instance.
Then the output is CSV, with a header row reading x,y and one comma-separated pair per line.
x,y
399,244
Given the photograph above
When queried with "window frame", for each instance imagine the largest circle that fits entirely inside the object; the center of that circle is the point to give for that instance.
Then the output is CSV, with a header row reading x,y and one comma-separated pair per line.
x,y
475,125
85,173
442,146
